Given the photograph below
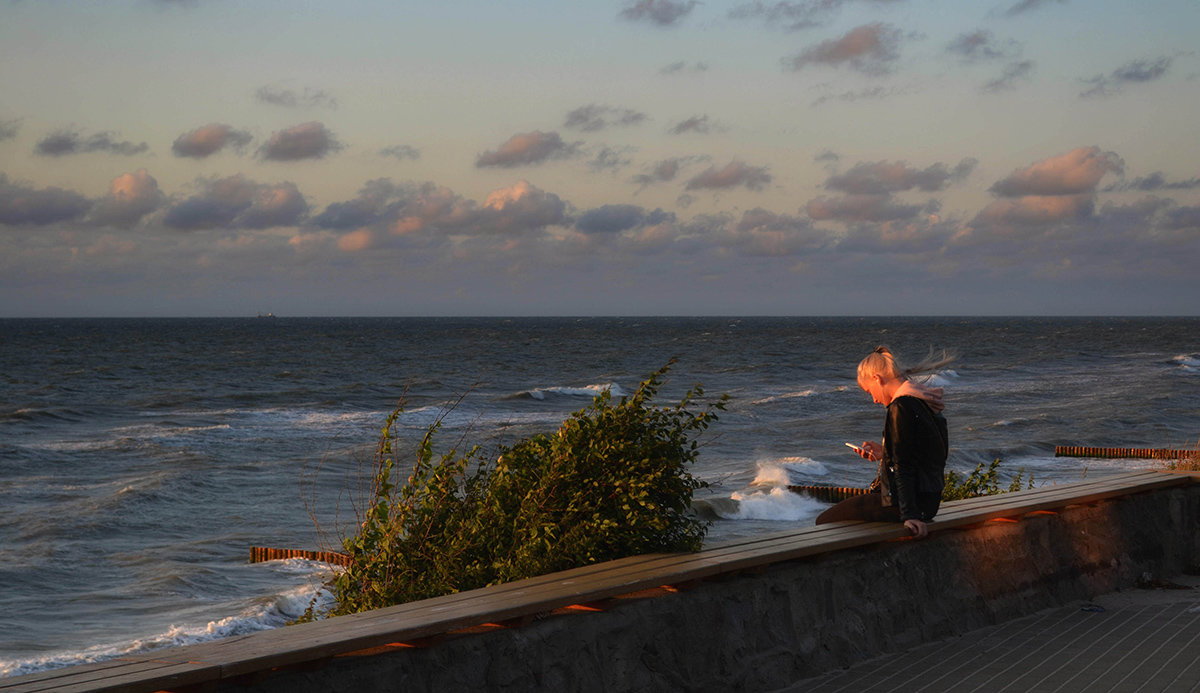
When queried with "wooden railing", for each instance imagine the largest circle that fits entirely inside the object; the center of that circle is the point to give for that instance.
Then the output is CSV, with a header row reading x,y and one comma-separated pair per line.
x,y
223,662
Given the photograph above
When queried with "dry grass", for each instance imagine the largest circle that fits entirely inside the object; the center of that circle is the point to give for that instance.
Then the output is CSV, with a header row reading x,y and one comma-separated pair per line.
x,y
1188,463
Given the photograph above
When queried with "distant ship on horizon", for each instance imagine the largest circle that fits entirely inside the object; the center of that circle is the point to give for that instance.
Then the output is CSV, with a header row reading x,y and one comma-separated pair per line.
x,y
268,315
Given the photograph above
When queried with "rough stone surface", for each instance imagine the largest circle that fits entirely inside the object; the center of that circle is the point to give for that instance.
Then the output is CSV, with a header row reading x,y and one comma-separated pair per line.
x,y
798,619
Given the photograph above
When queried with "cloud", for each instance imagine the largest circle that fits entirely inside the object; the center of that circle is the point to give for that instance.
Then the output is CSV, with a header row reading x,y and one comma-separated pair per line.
x,y
130,197
683,66
1077,171
980,46
860,207
660,12
1135,72
611,219
1183,218
887,177
610,158
865,94
1028,6
1056,190
68,142
1008,79
763,233
1036,210
1154,181
427,215
23,205
208,140
304,141
527,149
593,117
732,175
401,152
309,98
870,49
9,129
698,124
520,207
795,16
666,170
237,202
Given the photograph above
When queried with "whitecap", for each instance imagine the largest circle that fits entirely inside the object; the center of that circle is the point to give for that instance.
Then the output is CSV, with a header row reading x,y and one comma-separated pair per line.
x,y
585,391
264,614
777,504
785,396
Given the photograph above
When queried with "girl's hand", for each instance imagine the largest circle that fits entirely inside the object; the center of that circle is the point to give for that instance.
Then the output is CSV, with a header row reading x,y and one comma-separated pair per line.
x,y
872,451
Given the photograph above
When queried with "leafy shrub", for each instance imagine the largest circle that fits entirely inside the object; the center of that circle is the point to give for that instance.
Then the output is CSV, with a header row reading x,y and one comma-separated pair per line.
x,y
612,481
980,483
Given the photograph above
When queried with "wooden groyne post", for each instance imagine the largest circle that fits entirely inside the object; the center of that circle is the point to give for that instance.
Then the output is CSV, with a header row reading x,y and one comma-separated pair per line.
x,y
1123,453
829,494
258,554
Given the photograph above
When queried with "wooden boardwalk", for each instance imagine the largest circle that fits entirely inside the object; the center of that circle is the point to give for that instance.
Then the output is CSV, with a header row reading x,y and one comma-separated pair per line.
x,y
420,623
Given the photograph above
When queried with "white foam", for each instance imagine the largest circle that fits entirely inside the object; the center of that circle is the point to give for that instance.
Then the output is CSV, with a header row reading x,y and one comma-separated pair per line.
x,y
586,391
264,614
776,504
768,497
785,396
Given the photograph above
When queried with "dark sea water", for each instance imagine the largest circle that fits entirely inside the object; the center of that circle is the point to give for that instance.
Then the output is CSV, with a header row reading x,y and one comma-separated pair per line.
x,y
139,459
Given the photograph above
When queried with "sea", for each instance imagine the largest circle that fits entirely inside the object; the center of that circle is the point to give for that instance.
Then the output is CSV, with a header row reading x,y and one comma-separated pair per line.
x,y
140,459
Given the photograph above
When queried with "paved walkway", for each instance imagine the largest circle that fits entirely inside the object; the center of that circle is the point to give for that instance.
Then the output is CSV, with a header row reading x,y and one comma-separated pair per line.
x,y
1144,640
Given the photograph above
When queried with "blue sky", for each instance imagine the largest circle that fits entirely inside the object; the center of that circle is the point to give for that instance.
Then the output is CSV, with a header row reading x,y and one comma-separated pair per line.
x,y
810,157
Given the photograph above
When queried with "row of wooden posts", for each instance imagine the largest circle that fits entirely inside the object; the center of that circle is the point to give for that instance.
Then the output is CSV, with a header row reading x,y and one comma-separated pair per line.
x,y
1123,453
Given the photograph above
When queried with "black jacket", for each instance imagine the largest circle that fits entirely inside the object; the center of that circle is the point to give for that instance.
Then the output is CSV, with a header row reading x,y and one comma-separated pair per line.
x,y
915,446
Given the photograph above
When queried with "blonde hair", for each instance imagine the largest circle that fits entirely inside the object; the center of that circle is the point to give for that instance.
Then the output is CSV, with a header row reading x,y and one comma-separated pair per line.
x,y
883,362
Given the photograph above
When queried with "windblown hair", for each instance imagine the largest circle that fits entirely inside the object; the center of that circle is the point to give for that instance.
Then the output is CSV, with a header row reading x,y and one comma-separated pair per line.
x,y
883,362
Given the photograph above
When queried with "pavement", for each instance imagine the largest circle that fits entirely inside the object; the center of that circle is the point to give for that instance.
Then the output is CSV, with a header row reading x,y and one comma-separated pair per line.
x,y
1144,639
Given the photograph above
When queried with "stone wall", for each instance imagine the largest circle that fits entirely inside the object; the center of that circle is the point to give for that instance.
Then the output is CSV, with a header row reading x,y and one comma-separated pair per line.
x,y
796,619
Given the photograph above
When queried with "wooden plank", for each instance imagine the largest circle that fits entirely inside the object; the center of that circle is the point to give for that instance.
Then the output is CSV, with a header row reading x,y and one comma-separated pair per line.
x,y
132,675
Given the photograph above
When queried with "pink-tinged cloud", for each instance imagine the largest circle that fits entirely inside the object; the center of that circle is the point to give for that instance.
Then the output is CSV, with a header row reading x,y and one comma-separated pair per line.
x,y
660,12
886,177
521,207
871,49
130,197
237,202
208,140
1077,171
305,141
527,149
356,241
860,208
1036,210
432,207
23,205
732,175
763,233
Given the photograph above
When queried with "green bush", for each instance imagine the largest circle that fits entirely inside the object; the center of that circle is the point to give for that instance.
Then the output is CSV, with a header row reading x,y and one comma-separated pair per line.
x,y
613,481
979,483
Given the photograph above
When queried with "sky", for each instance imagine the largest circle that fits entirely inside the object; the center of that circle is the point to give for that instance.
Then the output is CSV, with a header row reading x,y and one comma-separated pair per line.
x,y
645,157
